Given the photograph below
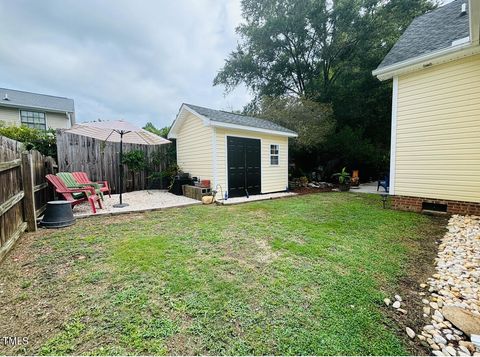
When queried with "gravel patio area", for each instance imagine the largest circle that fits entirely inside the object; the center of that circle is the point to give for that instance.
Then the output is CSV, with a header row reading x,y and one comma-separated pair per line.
x,y
138,201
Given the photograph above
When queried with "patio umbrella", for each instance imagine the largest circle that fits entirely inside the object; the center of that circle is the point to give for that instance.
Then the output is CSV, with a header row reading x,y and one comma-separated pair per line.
x,y
119,131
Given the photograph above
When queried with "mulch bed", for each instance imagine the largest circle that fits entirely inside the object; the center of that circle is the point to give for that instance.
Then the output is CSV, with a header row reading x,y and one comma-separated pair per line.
x,y
310,190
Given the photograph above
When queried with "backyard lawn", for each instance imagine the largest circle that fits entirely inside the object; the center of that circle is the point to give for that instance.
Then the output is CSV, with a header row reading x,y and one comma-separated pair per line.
x,y
302,275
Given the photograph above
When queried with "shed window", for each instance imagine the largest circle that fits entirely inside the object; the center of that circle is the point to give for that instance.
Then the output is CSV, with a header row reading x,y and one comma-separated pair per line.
x,y
274,150
34,120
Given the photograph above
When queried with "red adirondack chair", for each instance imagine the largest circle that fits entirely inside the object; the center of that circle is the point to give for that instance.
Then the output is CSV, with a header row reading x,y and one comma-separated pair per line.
x,y
81,177
75,195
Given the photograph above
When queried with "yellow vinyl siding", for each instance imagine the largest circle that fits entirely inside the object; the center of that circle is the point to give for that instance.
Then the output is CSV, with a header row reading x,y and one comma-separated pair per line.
x,y
194,148
438,132
274,177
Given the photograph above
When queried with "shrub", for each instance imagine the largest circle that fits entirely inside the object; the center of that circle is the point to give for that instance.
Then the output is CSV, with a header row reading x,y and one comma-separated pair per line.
x,y
43,141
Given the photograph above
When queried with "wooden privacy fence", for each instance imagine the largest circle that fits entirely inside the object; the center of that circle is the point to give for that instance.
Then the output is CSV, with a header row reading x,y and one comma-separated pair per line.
x,y
100,160
24,191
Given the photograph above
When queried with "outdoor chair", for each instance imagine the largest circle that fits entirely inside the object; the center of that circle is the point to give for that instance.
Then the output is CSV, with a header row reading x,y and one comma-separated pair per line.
x,y
70,181
81,177
385,183
75,195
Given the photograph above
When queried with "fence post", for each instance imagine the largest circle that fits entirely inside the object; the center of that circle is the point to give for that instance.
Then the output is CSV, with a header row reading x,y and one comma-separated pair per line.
x,y
29,193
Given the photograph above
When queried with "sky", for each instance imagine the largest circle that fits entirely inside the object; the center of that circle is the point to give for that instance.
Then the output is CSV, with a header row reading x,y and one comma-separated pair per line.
x,y
121,59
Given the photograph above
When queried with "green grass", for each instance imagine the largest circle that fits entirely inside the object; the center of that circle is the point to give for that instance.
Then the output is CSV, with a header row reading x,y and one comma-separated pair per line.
x,y
304,275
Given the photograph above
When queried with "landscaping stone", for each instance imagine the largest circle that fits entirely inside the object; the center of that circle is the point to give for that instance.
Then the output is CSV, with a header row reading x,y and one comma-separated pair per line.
x,y
410,332
398,298
453,306
463,319
387,301
396,304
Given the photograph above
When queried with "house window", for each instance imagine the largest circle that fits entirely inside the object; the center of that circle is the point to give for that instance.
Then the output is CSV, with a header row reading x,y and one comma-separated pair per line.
x,y
33,119
274,150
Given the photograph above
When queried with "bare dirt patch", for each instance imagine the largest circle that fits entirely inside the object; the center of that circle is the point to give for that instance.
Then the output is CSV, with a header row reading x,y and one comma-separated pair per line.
x,y
420,266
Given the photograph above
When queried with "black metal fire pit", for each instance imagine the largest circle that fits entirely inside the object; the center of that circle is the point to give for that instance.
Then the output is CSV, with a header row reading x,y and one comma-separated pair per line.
x,y
58,214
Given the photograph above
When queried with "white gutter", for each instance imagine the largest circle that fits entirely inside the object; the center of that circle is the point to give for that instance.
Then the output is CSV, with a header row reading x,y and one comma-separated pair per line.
x,y
12,105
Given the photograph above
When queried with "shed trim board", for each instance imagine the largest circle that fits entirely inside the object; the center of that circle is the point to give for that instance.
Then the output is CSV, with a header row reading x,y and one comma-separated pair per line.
x,y
251,128
393,140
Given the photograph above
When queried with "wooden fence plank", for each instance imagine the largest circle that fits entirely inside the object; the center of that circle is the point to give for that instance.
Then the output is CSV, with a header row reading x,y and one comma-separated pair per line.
x,y
40,187
12,201
13,238
28,189
100,160
10,164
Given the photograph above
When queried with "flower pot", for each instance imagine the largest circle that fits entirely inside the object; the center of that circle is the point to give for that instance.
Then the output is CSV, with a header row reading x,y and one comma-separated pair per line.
x,y
344,187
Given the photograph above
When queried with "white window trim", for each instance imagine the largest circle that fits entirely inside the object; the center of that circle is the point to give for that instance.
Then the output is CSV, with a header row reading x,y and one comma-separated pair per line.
x,y
33,111
270,155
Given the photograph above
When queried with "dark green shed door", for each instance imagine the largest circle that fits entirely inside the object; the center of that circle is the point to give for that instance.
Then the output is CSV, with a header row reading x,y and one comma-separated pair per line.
x,y
244,166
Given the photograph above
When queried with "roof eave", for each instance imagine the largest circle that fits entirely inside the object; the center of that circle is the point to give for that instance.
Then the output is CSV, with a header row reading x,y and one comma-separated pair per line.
x,y
220,124
21,106
172,133
430,59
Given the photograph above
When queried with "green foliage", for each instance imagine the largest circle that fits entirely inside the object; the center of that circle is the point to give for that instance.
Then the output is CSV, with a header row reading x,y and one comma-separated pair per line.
x,y
324,51
163,132
312,121
135,160
43,141
343,176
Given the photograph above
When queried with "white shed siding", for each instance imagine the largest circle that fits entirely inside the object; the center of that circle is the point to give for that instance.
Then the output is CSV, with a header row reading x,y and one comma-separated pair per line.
x,y
274,177
438,131
194,148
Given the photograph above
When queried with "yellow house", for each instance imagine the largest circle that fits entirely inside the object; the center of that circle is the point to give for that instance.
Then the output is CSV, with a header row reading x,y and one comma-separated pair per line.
x,y
435,136
240,155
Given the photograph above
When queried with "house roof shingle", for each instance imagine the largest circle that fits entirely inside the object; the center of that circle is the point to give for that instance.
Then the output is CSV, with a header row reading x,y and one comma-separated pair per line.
x,y
238,119
23,99
430,32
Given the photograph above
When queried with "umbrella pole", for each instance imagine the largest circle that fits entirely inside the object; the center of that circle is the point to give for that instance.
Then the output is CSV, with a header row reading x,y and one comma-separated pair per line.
x,y
121,204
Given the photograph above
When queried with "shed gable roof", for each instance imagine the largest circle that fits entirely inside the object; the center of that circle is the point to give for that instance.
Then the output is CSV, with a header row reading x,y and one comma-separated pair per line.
x,y
225,119
21,99
430,32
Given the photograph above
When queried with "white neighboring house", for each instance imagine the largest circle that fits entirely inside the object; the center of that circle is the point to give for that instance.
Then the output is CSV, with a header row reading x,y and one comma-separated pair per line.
x,y
35,110
241,154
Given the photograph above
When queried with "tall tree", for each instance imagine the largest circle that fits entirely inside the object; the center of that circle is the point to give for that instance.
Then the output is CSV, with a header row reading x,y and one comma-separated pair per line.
x,y
324,50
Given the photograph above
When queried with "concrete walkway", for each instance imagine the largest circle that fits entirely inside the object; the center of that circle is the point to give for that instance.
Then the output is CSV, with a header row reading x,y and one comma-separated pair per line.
x,y
253,198
370,187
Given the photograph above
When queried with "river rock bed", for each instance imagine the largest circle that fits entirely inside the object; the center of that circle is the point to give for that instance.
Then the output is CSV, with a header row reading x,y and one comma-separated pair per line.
x,y
452,293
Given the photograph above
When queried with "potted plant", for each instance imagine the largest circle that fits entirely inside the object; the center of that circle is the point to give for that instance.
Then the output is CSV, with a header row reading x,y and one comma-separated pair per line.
x,y
343,180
